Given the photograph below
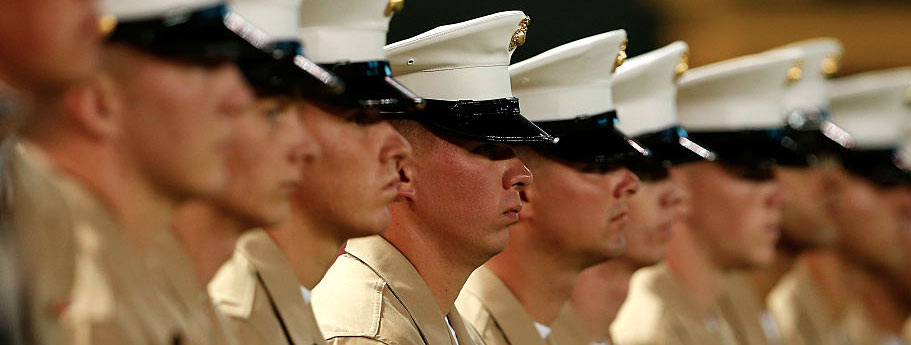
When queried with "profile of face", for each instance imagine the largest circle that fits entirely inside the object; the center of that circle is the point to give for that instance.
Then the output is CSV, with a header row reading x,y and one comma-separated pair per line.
x,y
736,214
264,160
871,221
177,119
577,209
654,214
465,193
47,43
805,215
348,188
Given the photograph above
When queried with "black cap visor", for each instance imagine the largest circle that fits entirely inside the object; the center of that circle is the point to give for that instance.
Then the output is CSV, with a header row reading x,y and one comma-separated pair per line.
x,y
494,121
590,139
761,148
883,167
215,35
370,85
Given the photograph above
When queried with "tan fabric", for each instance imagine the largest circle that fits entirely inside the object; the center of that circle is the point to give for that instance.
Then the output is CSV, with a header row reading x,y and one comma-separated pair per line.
x,y
488,304
907,332
862,330
44,228
797,305
258,290
373,295
568,329
741,307
658,311
202,323
114,297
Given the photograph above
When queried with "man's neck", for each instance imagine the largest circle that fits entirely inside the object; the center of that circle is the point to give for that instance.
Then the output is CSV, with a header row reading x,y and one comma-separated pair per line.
x,y
542,279
881,300
765,279
442,267
827,271
105,172
208,235
690,265
599,293
310,248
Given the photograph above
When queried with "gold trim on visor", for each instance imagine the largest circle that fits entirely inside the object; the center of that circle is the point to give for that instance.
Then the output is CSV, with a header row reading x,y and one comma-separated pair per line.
x,y
518,38
394,6
621,56
683,65
831,64
106,24
795,72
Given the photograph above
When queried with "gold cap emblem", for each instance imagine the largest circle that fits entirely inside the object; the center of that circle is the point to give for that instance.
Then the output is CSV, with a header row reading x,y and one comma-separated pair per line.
x,y
831,64
393,7
683,65
621,55
106,24
795,72
518,38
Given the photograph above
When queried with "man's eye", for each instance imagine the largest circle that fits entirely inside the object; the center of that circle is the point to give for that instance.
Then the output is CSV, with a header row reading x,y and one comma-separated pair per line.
x,y
494,151
365,118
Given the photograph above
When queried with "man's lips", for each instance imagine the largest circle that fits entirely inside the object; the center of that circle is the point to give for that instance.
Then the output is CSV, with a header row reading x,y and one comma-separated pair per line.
x,y
622,215
513,212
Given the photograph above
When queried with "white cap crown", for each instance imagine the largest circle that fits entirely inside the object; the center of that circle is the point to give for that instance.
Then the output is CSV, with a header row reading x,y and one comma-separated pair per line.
x,y
276,18
145,9
820,58
874,107
570,80
645,89
346,30
744,93
464,61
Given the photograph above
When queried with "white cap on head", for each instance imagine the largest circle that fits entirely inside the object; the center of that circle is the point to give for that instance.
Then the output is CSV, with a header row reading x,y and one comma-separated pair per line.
x,y
346,30
645,89
570,80
820,59
129,10
278,19
744,93
464,61
875,107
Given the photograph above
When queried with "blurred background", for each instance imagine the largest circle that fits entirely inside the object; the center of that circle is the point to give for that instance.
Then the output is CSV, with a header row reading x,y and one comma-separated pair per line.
x,y
876,33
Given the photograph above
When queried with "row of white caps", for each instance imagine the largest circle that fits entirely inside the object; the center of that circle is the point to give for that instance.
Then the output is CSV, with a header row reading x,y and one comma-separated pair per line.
x,y
471,61
330,30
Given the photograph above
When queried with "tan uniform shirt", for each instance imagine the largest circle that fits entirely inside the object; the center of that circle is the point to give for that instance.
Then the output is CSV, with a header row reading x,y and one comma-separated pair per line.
x,y
201,322
258,290
741,307
44,229
114,299
373,295
658,311
495,312
862,330
568,329
804,317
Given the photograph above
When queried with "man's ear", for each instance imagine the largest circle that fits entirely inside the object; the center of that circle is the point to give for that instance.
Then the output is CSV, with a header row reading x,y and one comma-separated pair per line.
x,y
527,195
405,184
93,107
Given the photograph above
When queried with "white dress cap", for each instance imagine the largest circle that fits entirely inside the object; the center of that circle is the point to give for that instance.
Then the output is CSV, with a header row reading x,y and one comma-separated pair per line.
x,y
570,80
346,30
130,10
744,93
874,107
645,90
278,19
464,61
820,58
